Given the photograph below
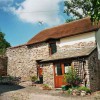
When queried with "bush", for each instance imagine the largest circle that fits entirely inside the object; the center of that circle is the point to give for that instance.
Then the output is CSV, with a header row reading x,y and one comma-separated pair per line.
x,y
78,91
46,87
69,91
9,80
72,77
83,88
33,78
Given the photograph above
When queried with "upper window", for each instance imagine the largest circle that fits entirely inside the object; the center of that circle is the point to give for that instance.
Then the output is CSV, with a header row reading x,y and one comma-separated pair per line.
x,y
52,48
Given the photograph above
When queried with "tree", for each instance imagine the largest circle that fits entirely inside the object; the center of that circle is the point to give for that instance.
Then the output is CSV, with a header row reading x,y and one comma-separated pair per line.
x,y
3,43
83,8
70,20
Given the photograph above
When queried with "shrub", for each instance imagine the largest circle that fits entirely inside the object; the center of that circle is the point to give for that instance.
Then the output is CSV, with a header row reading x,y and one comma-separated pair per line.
x,y
9,80
72,77
83,88
33,78
46,87
69,91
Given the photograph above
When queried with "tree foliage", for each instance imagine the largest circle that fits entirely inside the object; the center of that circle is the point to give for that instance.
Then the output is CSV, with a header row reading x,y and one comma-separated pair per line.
x,y
70,20
83,8
3,43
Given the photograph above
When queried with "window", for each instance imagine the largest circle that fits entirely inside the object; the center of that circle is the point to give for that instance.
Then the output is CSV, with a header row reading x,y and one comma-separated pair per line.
x,y
58,69
53,48
67,66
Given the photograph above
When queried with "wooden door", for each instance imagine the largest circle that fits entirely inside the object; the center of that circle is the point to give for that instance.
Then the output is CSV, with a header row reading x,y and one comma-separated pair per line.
x,y
40,74
59,75
40,70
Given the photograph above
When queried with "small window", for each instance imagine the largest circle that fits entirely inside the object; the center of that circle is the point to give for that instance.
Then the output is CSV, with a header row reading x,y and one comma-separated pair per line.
x,y
58,69
67,66
53,48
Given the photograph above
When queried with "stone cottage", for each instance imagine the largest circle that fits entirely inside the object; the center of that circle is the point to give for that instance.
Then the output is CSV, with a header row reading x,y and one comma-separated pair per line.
x,y
51,52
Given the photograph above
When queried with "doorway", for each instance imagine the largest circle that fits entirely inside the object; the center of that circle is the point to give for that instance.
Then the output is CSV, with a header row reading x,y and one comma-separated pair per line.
x,y
60,69
40,74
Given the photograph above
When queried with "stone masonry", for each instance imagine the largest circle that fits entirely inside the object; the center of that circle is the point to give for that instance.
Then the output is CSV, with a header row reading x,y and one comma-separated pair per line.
x,y
22,60
94,71
75,46
48,74
78,65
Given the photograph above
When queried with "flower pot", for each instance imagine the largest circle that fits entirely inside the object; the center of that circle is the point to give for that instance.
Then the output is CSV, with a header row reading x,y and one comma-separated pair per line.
x,y
64,87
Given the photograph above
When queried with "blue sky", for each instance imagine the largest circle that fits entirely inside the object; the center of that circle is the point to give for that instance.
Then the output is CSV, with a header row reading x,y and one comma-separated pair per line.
x,y
19,19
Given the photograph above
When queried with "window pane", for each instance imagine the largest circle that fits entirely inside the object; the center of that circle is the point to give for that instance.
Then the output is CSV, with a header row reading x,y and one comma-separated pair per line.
x,y
67,66
53,48
58,69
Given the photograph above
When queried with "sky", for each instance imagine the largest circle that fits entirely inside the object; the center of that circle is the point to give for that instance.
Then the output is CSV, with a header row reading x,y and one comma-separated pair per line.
x,y
20,20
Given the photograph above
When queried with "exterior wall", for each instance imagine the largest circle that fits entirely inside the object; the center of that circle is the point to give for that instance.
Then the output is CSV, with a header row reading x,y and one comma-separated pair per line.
x,y
91,67
48,74
78,65
94,71
77,41
22,60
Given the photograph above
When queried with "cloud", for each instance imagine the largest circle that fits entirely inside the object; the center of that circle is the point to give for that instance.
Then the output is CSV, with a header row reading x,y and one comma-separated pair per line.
x,y
33,11
5,2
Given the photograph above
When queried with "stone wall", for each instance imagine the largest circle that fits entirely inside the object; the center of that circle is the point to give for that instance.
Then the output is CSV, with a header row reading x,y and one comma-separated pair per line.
x,y
75,46
94,71
82,68
22,60
48,74
76,41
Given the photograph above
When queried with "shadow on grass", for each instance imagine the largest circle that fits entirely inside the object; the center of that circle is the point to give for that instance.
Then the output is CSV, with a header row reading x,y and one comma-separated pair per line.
x,y
9,87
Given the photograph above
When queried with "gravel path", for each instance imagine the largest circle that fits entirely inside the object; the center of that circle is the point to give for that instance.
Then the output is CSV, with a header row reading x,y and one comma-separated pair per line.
x,y
35,93
33,96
